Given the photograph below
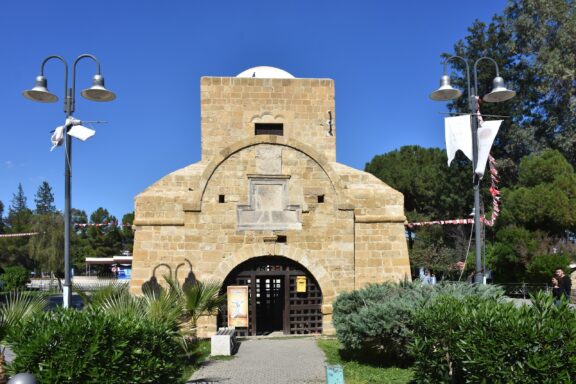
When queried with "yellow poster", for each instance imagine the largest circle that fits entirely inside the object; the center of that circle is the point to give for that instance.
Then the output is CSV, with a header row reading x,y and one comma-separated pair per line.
x,y
300,284
237,306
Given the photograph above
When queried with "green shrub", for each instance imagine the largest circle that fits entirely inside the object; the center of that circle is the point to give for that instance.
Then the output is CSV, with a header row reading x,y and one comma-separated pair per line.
x,y
476,340
14,278
69,346
541,268
377,320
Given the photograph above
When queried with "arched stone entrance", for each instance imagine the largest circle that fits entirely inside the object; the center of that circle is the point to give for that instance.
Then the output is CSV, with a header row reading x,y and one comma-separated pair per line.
x,y
275,304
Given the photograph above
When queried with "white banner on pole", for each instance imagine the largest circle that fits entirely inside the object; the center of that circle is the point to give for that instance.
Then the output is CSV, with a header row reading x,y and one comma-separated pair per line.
x,y
486,134
458,136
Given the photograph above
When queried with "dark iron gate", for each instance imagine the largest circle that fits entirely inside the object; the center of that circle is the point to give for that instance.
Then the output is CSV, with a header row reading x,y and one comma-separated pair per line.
x,y
273,301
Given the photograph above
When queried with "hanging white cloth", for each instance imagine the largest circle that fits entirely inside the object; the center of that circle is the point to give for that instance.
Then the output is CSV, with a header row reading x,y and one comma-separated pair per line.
x,y
458,136
57,137
486,134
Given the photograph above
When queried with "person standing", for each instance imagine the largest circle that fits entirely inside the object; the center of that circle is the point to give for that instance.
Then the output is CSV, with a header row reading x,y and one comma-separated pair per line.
x,y
564,282
557,292
426,277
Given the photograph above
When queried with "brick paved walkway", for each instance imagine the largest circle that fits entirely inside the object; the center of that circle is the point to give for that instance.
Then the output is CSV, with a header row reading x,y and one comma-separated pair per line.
x,y
265,361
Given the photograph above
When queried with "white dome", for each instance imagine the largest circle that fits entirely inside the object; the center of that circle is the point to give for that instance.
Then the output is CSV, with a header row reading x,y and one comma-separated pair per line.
x,y
266,73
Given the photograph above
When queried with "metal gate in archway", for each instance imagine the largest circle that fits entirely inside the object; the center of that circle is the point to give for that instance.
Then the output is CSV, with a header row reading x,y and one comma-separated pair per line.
x,y
275,301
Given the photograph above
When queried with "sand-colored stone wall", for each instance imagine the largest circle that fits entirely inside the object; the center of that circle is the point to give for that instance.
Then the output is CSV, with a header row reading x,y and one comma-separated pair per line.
x,y
343,225
209,236
231,107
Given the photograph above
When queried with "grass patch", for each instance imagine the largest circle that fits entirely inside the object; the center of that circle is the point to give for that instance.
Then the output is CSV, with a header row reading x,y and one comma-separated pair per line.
x,y
356,372
201,354
222,358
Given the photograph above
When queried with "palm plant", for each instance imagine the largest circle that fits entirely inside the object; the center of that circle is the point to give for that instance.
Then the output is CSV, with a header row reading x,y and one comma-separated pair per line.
x,y
101,292
195,300
161,308
18,307
178,306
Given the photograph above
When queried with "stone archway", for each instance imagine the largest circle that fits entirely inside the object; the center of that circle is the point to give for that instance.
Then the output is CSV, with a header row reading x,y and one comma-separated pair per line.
x,y
296,254
283,297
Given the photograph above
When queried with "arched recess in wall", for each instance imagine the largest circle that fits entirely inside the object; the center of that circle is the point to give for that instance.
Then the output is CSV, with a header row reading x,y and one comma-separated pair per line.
x,y
333,176
272,294
296,254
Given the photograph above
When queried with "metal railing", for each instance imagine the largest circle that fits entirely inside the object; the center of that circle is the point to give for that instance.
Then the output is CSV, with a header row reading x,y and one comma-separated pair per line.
x,y
81,282
523,290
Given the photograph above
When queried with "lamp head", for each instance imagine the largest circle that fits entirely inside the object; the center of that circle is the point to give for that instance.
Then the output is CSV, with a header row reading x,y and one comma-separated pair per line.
x,y
97,92
446,91
499,92
40,92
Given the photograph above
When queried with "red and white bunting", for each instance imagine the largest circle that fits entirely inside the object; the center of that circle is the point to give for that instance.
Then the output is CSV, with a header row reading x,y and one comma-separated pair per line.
x,y
494,192
104,224
18,234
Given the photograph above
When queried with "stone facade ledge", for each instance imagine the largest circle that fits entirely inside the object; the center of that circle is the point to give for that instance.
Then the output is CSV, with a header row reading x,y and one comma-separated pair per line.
x,y
346,207
161,222
192,207
380,219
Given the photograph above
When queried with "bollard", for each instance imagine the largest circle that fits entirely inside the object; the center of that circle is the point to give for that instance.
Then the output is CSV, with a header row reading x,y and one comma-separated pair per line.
x,y
334,374
22,378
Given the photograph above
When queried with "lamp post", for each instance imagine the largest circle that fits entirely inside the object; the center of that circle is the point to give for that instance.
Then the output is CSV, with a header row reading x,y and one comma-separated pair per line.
x,y
40,93
499,93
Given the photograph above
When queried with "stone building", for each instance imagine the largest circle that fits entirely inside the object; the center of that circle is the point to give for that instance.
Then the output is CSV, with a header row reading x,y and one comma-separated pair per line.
x,y
269,207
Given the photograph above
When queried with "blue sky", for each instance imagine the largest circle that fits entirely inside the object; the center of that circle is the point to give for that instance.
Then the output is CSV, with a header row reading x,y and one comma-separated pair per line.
x,y
383,55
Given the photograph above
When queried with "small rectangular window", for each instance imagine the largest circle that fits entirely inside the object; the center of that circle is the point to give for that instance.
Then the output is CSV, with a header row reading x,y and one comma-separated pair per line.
x,y
221,199
320,199
281,239
269,129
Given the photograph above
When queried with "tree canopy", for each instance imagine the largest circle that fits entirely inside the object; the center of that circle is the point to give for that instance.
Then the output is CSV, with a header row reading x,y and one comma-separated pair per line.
x,y
544,197
431,189
533,42
44,199
44,251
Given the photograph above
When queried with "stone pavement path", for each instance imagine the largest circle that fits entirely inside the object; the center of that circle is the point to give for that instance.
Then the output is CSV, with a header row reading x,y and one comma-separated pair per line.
x,y
265,361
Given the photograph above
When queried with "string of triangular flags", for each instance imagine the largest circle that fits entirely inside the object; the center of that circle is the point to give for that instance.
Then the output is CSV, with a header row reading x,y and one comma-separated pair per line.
x,y
458,137
81,225
18,234
494,192
104,224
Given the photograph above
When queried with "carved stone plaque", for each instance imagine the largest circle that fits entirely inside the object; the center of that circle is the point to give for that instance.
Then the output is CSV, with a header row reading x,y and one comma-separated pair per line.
x,y
268,160
268,209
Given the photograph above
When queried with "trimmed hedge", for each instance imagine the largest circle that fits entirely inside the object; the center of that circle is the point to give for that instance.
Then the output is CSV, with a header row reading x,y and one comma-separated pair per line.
x,y
377,320
69,346
482,340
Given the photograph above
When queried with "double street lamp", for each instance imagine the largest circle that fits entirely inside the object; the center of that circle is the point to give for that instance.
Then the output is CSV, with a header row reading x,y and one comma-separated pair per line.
x,y
40,93
498,94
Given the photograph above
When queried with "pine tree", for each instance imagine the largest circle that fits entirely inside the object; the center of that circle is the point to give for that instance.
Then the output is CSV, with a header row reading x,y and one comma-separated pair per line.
x,y
103,234
15,250
18,212
19,200
44,199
